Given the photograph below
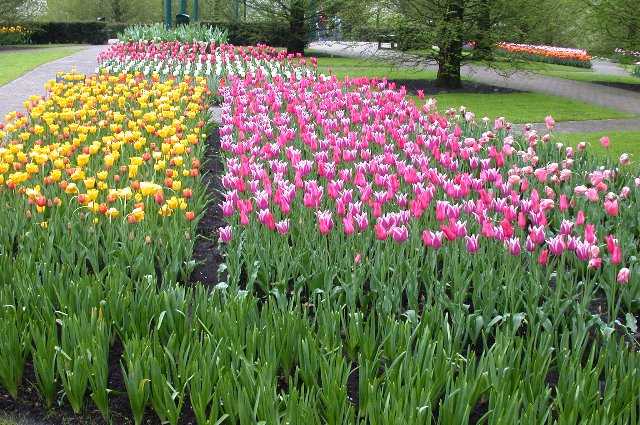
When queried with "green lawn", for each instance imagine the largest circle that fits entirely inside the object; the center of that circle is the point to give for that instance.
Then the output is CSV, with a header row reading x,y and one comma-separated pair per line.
x,y
621,142
566,72
357,67
526,107
16,62
516,107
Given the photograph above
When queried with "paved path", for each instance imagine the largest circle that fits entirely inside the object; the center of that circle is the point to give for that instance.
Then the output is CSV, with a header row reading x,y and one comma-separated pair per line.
x,y
603,66
619,99
14,93
591,126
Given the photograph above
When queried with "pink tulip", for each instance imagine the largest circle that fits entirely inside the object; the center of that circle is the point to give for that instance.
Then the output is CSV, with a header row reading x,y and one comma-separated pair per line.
x,y
625,159
623,275
225,234
590,233
611,207
595,263
604,141
513,245
549,122
472,243
432,239
283,226
325,221
543,258
399,233
556,245
348,225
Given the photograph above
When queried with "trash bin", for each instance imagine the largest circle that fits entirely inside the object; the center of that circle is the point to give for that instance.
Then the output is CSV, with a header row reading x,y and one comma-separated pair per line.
x,y
182,19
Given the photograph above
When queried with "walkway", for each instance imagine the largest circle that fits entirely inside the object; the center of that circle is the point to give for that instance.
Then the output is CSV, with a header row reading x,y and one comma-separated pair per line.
x,y
603,66
591,126
13,94
619,99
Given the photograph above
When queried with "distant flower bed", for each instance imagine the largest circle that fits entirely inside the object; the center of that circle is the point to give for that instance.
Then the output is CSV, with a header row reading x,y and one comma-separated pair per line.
x,y
15,34
628,53
549,54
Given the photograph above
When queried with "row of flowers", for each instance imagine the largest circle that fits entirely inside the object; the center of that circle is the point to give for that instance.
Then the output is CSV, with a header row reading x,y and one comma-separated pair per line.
x,y
356,168
112,158
175,59
550,54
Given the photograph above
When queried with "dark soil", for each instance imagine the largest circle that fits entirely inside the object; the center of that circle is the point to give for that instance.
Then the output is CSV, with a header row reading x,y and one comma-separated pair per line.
x,y
205,251
624,86
429,87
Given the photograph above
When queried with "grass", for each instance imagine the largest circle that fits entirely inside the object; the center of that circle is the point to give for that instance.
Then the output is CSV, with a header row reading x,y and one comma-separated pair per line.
x,y
526,107
621,142
566,72
17,62
517,107
357,67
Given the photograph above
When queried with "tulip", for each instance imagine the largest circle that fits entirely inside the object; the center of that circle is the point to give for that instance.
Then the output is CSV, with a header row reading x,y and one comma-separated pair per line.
x,y
624,159
611,207
325,221
549,122
604,141
225,234
282,226
543,258
513,245
472,243
399,233
623,275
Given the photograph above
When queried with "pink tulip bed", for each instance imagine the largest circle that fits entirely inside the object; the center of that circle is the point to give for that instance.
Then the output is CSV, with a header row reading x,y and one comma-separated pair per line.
x,y
358,259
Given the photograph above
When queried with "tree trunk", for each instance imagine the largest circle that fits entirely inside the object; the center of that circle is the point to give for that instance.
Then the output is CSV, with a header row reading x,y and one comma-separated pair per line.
x,y
297,27
483,49
450,56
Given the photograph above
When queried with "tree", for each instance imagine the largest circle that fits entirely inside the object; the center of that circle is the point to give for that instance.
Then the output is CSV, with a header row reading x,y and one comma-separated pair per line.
x,y
300,15
112,10
440,29
9,10
618,21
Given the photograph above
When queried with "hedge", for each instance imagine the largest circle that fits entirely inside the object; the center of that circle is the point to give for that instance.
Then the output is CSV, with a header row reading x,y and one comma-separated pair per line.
x,y
74,32
274,34
243,33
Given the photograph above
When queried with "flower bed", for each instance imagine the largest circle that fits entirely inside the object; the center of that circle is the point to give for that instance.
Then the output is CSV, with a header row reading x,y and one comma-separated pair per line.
x,y
106,156
381,261
548,54
355,184
215,62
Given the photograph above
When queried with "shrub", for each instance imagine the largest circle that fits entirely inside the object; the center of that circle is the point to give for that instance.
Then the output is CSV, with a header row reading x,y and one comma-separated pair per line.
x,y
14,34
60,33
250,33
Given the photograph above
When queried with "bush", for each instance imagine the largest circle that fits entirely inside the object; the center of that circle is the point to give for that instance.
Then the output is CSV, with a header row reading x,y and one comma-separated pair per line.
x,y
248,33
14,34
636,71
66,32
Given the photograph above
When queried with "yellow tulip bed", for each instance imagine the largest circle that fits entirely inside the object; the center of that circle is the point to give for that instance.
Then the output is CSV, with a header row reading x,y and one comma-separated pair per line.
x,y
113,156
